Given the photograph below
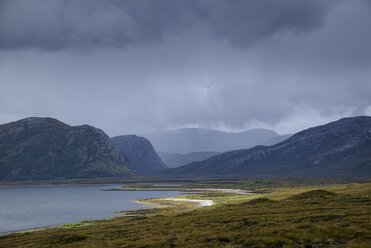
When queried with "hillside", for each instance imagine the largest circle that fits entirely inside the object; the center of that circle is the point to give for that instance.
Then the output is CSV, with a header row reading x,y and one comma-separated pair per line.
x,y
337,149
45,148
139,153
188,140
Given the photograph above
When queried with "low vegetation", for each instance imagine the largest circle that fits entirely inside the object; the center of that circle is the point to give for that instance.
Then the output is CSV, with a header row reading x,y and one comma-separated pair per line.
x,y
336,215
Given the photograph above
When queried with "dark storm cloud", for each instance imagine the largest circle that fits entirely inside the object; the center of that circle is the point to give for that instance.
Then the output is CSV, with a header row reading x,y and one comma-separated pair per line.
x,y
141,66
58,24
244,22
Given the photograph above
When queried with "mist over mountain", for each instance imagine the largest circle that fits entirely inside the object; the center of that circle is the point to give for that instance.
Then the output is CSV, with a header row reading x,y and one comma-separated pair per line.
x,y
337,149
139,153
173,160
277,139
188,140
45,148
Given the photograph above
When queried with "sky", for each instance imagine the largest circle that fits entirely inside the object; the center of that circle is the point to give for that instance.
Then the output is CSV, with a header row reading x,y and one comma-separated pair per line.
x,y
140,66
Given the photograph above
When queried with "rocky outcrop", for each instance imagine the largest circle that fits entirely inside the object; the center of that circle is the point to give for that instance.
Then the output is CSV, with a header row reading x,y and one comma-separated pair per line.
x,y
45,148
140,154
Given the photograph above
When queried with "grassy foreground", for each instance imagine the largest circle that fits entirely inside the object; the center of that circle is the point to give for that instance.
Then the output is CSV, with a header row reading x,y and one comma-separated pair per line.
x,y
303,216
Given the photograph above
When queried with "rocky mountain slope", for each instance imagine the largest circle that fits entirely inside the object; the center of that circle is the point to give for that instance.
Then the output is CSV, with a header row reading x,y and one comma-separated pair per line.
x,y
188,140
45,148
139,152
337,149
173,160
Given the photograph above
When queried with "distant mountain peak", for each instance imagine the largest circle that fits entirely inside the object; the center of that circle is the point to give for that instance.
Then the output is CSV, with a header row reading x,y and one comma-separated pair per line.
x,y
37,121
206,130
186,140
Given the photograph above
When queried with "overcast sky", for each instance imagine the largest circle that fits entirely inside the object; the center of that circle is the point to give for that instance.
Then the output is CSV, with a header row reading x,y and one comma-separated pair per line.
x,y
147,65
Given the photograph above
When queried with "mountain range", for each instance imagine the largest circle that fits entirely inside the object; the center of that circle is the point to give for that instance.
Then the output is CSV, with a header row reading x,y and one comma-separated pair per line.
x,y
45,148
337,149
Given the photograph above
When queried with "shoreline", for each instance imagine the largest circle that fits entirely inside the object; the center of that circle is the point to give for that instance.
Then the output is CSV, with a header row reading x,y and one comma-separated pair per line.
x,y
158,203
56,185
239,219
147,205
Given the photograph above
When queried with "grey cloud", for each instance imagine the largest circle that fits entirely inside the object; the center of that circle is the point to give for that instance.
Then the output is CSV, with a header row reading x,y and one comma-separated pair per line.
x,y
85,24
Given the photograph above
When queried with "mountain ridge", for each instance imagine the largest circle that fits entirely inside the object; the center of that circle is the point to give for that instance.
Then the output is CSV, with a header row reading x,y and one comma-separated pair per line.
x,y
340,148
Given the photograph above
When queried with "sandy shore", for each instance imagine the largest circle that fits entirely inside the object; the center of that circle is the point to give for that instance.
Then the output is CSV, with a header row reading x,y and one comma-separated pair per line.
x,y
199,203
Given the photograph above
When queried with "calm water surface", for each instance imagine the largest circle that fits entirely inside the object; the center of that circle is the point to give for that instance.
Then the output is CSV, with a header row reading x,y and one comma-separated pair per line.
x,y
33,207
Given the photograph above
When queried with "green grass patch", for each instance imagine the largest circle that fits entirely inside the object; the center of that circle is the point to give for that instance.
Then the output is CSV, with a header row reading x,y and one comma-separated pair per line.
x,y
75,225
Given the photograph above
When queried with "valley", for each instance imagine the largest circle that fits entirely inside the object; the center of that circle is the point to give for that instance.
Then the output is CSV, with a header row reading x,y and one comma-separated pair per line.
x,y
311,189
